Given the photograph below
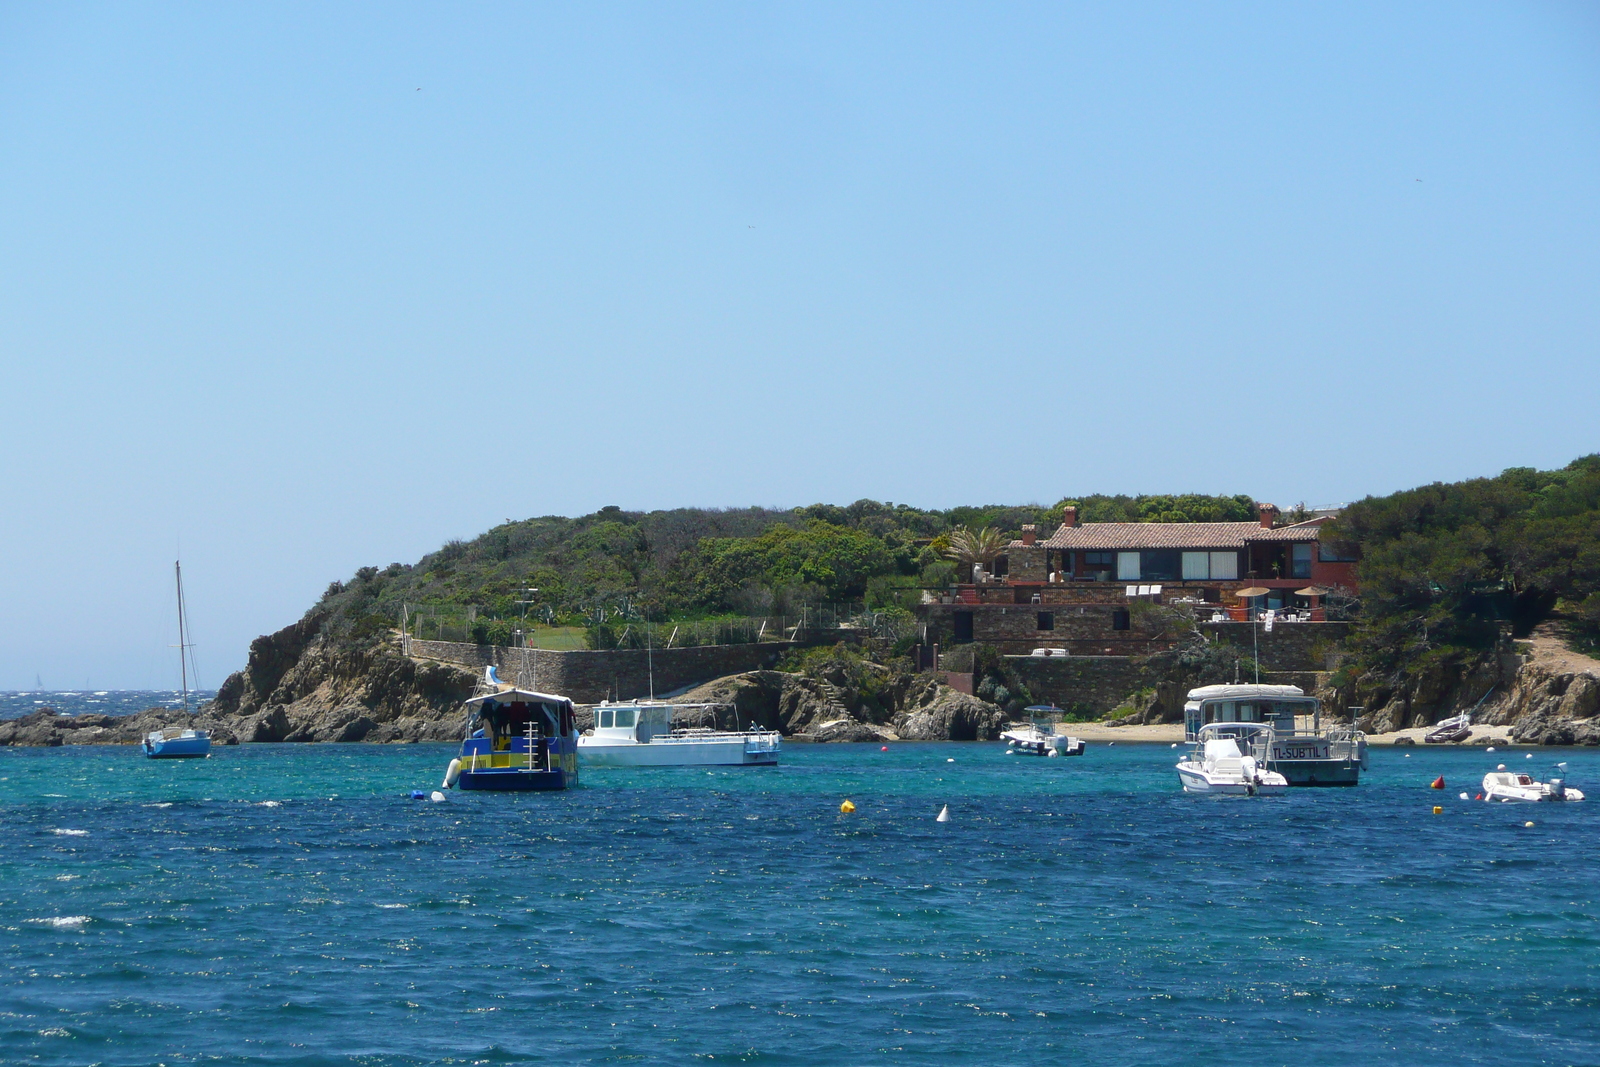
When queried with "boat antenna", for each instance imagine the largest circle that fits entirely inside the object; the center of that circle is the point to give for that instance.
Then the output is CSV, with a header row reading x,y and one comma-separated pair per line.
x,y
650,659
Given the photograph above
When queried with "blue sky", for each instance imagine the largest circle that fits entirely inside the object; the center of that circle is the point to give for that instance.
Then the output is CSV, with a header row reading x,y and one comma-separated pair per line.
x,y
300,288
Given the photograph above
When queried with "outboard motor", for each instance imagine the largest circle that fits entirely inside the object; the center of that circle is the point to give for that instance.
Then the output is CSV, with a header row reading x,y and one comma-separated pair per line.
x,y
1558,788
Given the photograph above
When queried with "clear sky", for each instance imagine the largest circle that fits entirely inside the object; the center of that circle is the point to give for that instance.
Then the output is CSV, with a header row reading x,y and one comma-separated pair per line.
x,y
302,287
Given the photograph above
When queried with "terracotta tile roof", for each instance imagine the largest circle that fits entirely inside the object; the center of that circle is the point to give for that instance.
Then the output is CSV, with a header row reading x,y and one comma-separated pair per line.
x,y
1110,536
1300,531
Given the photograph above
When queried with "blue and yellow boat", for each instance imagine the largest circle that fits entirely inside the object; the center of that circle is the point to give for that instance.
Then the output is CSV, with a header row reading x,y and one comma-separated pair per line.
x,y
523,741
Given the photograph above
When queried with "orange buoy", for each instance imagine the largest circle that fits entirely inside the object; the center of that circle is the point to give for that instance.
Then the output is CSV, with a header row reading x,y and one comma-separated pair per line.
x,y
1438,783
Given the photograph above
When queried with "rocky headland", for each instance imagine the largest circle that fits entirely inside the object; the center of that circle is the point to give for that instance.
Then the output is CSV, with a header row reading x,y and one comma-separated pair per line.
x,y
300,685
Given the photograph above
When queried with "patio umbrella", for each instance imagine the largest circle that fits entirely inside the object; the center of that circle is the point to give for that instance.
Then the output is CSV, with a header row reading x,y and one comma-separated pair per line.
x,y
1311,590
1250,591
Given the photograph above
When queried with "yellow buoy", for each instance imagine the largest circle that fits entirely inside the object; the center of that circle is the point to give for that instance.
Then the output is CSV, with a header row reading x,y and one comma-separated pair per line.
x,y
847,807
1438,811
1527,824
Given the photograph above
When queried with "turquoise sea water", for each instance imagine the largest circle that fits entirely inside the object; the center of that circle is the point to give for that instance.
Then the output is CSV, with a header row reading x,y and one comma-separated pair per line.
x,y
291,905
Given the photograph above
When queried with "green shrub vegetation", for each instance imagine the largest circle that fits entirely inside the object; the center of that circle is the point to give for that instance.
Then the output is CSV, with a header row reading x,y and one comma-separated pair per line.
x,y
1444,567
608,572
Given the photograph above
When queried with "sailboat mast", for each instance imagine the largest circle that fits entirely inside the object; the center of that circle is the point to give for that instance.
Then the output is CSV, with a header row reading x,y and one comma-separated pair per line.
x,y
183,637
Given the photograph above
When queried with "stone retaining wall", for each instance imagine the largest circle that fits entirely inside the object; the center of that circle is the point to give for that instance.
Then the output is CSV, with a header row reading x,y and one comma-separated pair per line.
x,y
1291,646
1083,684
614,674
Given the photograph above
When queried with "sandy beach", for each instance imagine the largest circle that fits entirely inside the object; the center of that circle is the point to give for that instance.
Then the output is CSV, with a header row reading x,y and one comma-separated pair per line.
x,y
1167,733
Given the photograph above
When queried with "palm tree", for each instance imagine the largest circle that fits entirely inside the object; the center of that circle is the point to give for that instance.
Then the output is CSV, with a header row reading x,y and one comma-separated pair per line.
x,y
980,547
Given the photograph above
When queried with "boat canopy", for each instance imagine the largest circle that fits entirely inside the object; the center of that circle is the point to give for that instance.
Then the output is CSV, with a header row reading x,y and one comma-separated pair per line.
x,y
518,696
1246,692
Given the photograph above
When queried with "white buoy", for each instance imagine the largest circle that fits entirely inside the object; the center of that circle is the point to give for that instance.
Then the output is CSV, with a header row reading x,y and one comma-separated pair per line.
x,y
944,814
1110,742
437,797
1528,756
1465,797
950,760
1499,766
1173,745
1489,749
1408,755
1528,824
451,773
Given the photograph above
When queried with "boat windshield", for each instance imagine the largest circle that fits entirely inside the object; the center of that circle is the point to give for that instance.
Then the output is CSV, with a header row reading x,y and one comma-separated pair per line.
x,y
625,718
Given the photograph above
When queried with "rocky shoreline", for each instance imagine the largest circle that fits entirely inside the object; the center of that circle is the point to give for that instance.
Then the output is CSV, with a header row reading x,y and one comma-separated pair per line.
x,y
300,686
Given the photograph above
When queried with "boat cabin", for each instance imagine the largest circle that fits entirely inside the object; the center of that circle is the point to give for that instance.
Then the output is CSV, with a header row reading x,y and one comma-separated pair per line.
x,y
1286,708
634,721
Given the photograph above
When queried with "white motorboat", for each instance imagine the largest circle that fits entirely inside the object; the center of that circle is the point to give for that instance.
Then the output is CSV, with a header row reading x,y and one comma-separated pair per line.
x,y
1033,739
641,734
1218,767
1507,786
1302,748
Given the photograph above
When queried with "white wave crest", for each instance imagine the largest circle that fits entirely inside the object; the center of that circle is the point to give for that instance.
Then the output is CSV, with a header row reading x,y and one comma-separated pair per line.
x,y
61,920
71,833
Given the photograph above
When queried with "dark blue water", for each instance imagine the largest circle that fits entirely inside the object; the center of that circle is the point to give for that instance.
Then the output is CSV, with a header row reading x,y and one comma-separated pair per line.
x,y
289,905
15,704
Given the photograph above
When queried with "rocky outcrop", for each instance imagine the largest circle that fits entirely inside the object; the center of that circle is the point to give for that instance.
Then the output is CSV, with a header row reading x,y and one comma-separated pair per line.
x,y
897,707
932,711
46,728
1546,694
340,692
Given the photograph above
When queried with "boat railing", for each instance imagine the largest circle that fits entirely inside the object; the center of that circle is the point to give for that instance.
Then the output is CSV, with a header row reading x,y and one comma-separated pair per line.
x,y
1258,738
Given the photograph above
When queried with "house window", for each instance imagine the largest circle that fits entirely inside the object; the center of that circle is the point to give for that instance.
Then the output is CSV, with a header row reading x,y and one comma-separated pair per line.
x,y
1098,559
1159,565
1128,567
962,621
1001,566
1047,620
1119,619
1215,566
1300,561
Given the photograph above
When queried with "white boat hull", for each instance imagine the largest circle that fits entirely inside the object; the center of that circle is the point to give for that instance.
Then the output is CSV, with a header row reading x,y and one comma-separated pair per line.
x,y
1504,789
736,751
1196,780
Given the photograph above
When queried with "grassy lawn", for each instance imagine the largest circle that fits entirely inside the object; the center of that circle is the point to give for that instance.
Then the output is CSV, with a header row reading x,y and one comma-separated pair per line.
x,y
560,638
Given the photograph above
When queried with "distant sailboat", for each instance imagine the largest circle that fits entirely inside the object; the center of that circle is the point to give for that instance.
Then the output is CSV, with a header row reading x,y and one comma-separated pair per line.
x,y
179,742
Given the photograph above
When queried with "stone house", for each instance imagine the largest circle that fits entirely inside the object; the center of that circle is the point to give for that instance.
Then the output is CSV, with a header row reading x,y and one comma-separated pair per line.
x,y
1083,588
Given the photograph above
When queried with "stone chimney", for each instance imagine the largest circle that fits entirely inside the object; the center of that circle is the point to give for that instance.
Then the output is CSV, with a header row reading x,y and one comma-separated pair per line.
x,y
1268,514
1069,515
1030,534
